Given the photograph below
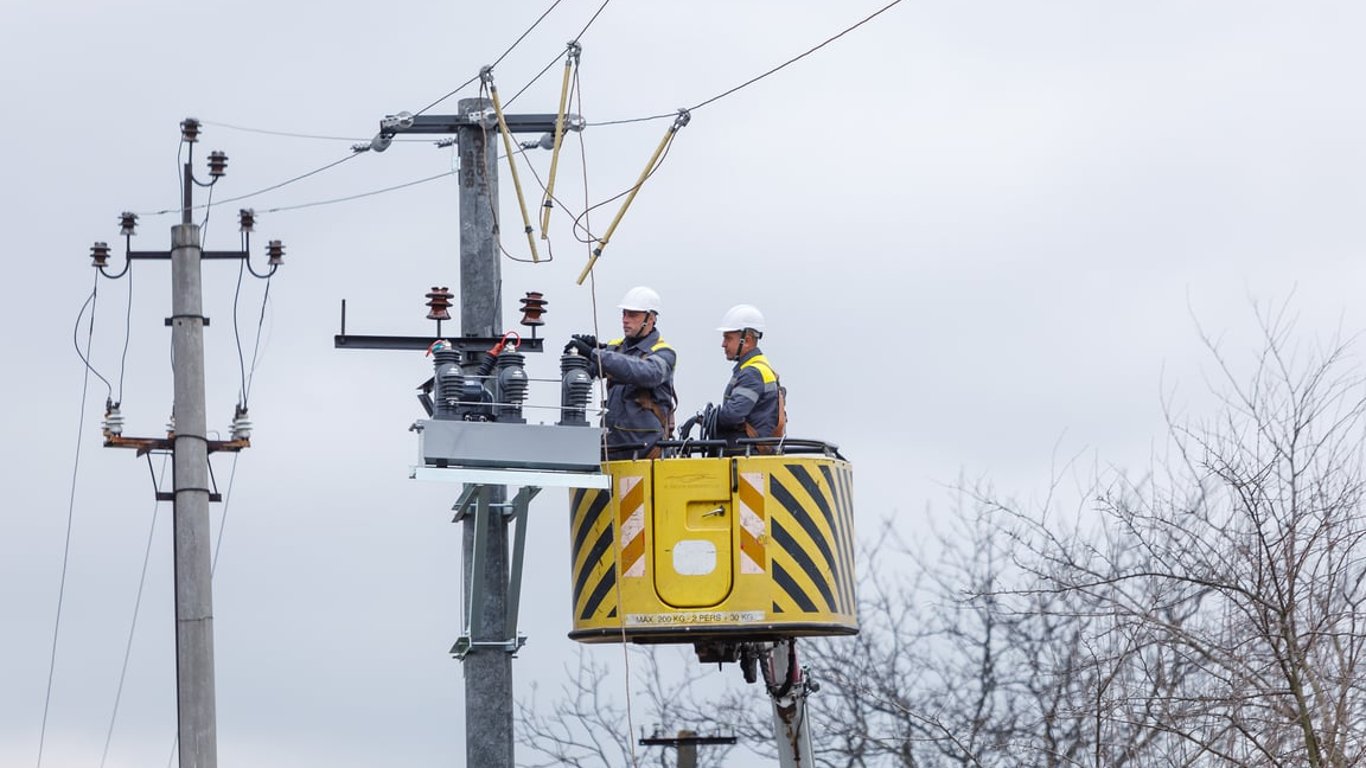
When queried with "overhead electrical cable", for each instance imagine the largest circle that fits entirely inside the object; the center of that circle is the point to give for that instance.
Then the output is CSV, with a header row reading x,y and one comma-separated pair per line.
x,y
237,331
799,56
127,334
371,193
496,61
137,604
262,191
293,135
75,335
756,78
256,347
70,509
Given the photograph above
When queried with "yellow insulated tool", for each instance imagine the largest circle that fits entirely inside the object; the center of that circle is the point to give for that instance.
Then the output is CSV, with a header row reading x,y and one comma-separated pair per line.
x,y
571,61
697,550
486,77
683,117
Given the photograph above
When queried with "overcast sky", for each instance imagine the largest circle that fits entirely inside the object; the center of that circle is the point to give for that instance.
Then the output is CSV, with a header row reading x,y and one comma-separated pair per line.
x,y
983,234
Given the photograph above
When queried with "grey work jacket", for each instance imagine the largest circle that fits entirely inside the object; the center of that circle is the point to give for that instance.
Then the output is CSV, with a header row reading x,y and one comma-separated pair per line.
x,y
632,366
751,398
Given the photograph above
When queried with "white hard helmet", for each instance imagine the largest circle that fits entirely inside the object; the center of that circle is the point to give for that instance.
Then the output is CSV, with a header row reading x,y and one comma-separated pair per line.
x,y
640,299
742,316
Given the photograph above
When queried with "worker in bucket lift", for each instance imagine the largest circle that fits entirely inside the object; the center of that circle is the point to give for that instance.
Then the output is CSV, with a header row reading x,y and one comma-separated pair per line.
x,y
755,401
639,369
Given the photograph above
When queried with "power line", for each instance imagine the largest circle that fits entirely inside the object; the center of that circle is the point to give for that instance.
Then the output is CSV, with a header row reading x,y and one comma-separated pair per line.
x,y
348,198
127,334
293,135
137,605
70,513
75,335
496,62
594,18
757,78
262,191
800,56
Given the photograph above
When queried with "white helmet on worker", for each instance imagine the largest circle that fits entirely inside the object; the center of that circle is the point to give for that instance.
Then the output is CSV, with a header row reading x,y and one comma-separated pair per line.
x,y
640,299
741,317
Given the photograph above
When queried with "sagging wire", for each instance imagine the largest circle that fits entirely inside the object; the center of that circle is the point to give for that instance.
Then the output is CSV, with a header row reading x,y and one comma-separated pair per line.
x,y
486,81
247,374
137,605
349,198
602,398
261,191
292,135
127,333
684,116
757,78
75,335
802,55
256,346
496,61
71,504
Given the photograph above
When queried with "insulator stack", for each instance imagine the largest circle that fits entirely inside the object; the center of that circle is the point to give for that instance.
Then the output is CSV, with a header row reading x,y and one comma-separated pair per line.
x,y
533,307
576,387
241,424
511,386
218,164
99,255
450,381
113,420
440,302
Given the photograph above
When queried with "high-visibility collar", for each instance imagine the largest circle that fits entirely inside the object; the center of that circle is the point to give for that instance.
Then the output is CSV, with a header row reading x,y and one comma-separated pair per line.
x,y
755,359
657,342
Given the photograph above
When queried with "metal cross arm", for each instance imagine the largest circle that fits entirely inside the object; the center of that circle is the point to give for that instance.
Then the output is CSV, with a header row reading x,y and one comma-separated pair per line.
x,y
166,255
448,124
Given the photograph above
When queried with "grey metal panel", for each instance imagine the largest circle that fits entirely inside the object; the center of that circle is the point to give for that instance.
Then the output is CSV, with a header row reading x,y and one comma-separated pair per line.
x,y
522,478
509,446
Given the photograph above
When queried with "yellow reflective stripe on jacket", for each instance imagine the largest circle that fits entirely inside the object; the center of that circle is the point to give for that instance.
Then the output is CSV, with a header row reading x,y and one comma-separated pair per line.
x,y
661,344
765,370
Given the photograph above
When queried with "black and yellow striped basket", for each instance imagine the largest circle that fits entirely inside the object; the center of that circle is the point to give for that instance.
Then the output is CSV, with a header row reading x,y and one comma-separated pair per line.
x,y
692,549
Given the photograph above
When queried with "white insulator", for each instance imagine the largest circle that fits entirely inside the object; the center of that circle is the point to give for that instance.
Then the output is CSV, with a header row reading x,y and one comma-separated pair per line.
x,y
241,428
113,422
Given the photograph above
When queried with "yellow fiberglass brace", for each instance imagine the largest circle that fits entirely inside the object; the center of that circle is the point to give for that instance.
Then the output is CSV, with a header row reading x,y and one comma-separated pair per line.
x,y
486,75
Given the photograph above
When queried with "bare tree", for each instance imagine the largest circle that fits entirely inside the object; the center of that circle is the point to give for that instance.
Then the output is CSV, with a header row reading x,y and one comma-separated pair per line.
x,y
1244,566
1212,613
587,724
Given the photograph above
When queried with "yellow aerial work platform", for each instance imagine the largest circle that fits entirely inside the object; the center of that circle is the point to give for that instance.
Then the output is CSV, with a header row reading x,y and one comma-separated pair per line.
x,y
716,549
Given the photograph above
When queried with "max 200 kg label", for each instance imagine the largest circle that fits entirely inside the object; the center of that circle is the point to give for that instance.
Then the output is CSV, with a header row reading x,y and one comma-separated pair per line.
x,y
693,617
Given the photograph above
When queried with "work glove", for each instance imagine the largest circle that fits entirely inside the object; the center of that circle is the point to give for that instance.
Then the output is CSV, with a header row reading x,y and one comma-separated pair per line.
x,y
589,339
583,347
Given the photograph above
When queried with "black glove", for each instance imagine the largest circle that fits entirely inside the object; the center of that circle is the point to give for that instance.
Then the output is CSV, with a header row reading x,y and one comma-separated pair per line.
x,y
583,347
589,339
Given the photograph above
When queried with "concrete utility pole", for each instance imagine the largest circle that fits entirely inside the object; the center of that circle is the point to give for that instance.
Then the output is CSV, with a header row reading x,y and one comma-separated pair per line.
x,y
189,446
488,673
193,557
490,606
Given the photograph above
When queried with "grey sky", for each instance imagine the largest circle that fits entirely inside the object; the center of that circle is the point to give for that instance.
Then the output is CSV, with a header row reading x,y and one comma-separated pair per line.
x,y
979,231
